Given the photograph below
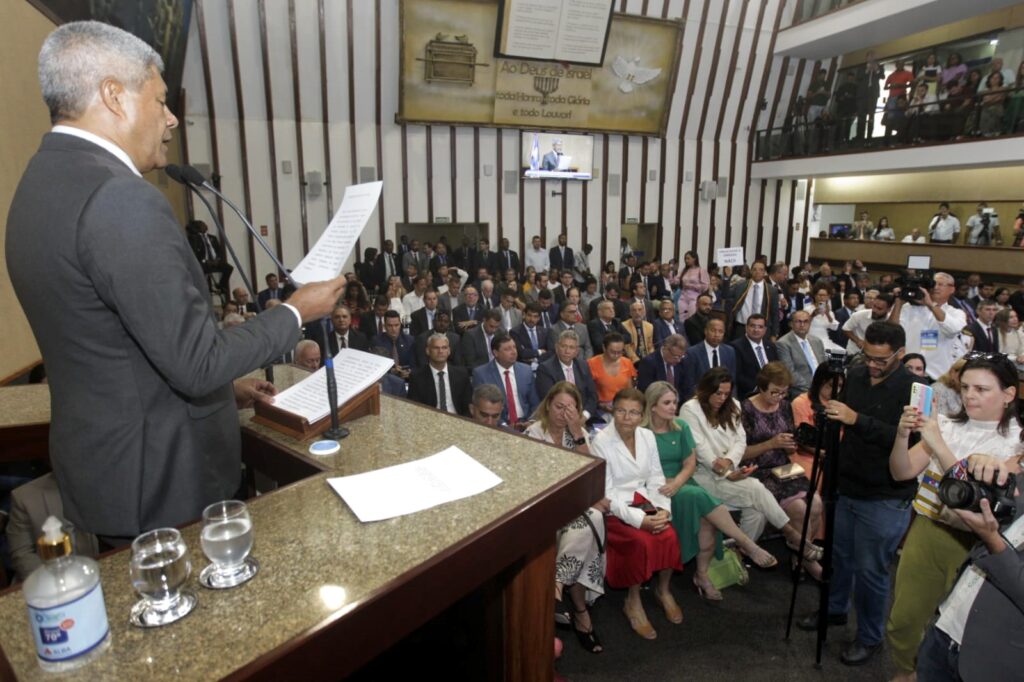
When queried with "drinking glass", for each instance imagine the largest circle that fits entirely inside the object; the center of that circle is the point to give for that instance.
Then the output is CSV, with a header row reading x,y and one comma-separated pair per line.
x,y
159,567
227,540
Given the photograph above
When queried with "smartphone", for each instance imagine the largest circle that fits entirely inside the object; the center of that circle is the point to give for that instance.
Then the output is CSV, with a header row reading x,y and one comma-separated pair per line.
x,y
646,507
921,398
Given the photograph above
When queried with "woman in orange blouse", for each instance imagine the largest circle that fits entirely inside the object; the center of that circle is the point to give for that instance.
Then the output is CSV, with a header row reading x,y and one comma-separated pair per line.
x,y
611,371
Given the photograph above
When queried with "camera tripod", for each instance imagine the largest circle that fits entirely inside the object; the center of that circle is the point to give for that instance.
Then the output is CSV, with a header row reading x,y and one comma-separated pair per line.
x,y
825,469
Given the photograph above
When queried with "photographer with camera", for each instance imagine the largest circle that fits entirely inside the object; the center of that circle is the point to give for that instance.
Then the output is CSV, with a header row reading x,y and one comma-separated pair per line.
x,y
980,624
932,324
873,509
983,227
939,540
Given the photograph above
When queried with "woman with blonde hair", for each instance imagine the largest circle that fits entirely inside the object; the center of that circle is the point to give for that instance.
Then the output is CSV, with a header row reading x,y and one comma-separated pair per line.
x,y
947,390
698,517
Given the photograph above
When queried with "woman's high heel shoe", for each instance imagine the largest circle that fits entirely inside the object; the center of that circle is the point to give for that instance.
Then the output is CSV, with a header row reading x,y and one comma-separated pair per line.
x,y
706,589
588,639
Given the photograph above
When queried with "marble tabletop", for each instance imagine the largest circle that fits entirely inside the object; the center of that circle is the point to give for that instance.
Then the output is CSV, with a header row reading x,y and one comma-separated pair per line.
x,y
24,405
318,562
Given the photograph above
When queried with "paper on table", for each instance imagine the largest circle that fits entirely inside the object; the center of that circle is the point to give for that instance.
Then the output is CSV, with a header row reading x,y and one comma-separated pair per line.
x,y
414,486
328,255
354,371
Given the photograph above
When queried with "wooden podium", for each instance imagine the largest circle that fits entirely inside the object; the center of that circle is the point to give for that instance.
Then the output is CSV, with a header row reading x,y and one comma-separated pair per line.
x,y
363,404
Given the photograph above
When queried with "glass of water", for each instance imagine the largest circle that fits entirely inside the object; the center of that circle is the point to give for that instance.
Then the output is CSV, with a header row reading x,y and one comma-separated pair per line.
x,y
227,541
159,567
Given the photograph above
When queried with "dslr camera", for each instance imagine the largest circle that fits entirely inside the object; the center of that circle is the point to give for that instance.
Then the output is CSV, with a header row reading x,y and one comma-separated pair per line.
x,y
967,495
911,282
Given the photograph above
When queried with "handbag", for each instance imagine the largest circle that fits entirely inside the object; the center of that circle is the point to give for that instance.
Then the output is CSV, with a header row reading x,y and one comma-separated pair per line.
x,y
787,472
728,571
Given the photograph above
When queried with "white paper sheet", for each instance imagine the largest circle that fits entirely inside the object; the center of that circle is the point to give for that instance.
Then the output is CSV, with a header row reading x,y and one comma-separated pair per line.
x,y
328,255
732,255
354,371
414,486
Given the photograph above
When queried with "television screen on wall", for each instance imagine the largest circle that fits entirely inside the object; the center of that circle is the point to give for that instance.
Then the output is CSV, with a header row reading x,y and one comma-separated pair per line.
x,y
557,156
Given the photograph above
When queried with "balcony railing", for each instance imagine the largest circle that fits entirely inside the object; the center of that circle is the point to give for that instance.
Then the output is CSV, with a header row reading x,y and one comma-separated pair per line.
x,y
995,113
806,10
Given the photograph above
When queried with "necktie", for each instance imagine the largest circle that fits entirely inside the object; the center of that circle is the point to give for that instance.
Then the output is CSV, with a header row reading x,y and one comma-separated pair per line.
x,y
641,345
341,342
430,319
991,341
569,375
394,353
714,357
487,339
546,321
670,374
760,356
442,398
472,312
510,398
533,338
812,362
380,325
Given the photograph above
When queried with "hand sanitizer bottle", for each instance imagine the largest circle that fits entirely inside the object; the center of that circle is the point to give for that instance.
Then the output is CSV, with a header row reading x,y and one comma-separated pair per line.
x,y
66,611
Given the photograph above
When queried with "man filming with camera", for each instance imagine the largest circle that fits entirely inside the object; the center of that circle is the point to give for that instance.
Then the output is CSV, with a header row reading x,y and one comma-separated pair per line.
x,y
873,509
980,624
932,324
983,227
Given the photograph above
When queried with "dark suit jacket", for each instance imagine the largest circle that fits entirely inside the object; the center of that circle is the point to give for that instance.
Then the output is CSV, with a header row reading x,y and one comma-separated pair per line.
x,y
473,350
746,364
694,327
597,332
436,262
738,295
463,257
418,321
356,340
524,346
559,263
423,389
981,342
549,372
490,374
368,324
419,353
504,257
696,363
838,336
379,269
461,314
621,309
663,329
403,344
136,328
195,240
652,368
487,260
265,295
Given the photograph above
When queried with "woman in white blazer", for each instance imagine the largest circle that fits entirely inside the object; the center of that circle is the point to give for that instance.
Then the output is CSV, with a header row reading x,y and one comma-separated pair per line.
x,y
641,539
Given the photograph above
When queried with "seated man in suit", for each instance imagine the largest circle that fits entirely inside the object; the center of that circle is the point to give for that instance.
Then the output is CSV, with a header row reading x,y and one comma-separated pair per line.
x,y
753,351
800,352
451,299
423,319
475,347
442,325
709,353
307,355
272,292
441,384
604,323
564,364
395,344
487,405
514,378
611,293
567,321
665,364
548,308
511,316
694,325
639,290
469,314
246,308
372,322
209,252
639,333
561,290
665,324
344,336
529,336
986,336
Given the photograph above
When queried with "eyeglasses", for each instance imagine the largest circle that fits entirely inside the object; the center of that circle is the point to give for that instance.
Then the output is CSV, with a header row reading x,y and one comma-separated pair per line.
x,y
622,412
878,362
994,358
777,394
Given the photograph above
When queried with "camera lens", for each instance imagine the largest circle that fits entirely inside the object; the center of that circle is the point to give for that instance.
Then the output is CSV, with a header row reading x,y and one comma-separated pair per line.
x,y
957,494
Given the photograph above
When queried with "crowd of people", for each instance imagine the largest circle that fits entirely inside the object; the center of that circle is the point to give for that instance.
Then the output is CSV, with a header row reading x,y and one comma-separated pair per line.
x,y
690,382
943,227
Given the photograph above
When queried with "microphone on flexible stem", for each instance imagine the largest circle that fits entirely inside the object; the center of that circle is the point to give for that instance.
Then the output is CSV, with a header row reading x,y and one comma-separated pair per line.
x,y
336,432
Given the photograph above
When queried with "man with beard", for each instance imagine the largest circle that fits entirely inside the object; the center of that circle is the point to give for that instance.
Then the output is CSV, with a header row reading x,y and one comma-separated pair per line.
x,y
857,325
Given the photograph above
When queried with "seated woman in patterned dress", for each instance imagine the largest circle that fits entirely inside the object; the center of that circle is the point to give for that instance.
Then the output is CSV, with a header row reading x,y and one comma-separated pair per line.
x,y
580,561
641,539
768,421
698,517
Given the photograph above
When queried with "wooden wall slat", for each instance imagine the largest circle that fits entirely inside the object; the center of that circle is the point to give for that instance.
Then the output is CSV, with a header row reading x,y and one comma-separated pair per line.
x,y
300,161
325,117
271,142
242,145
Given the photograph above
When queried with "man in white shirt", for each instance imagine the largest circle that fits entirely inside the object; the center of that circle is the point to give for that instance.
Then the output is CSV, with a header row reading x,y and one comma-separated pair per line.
x,y
933,326
440,384
983,227
915,237
748,297
857,325
537,256
413,300
944,227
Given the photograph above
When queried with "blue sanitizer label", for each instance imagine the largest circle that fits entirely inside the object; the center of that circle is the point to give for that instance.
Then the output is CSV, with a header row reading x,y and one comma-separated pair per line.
x,y
69,630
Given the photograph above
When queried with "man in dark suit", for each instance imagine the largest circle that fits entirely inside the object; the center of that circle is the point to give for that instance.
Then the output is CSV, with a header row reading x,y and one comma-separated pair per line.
x,y
441,384
566,321
665,323
639,291
850,302
549,161
135,325
210,253
604,323
778,273
372,321
986,336
395,344
565,365
484,258
710,352
747,297
753,351
694,325
663,365
513,378
561,257
386,265
529,336
338,334
627,271
659,284
475,347
442,325
246,308
424,319
548,308
620,311
272,292
561,290
507,258
468,315
463,256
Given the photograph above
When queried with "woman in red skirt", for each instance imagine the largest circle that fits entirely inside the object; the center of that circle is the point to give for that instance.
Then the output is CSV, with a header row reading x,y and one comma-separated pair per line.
x,y
641,539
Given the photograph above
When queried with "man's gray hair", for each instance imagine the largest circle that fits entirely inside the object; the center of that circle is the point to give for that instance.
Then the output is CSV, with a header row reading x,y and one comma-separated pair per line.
x,y
436,336
80,55
569,334
302,345
488,393
675,341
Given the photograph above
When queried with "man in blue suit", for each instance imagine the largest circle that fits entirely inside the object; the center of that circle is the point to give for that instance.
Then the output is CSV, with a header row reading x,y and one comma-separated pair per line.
x,y
514,379
665,324
710,352
665,364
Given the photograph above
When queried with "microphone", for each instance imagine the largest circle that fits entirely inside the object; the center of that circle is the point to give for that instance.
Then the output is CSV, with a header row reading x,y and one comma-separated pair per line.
x,y
336,432
193,177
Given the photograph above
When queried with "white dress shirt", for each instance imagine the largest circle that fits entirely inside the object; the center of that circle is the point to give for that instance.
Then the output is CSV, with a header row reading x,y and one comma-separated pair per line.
x,y
449,403
755,293
938,342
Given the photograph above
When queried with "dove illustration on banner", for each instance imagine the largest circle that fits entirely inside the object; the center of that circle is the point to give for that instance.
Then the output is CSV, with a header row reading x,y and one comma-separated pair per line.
x,y
631,74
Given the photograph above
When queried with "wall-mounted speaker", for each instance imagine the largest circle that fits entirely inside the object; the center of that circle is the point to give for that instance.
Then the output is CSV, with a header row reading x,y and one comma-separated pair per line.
x,y
708,190
652,176
613,184
511,182
314,184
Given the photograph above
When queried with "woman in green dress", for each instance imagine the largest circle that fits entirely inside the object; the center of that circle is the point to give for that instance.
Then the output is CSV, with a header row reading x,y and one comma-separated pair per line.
x,y
699,518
